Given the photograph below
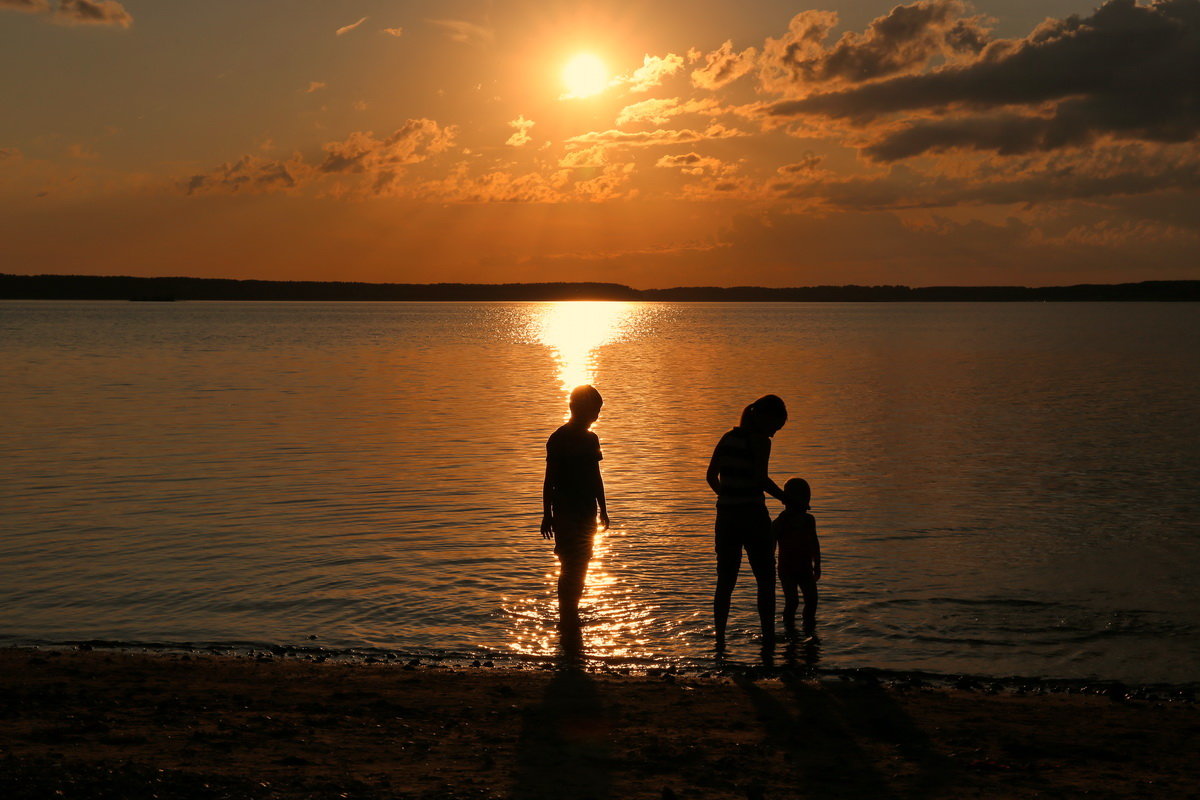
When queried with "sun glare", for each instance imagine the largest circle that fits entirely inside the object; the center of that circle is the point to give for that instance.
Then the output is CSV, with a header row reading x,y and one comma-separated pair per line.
x,y
585,75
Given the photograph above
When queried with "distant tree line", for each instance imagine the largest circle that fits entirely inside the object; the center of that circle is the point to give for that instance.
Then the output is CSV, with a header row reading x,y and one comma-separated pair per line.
x,y
120,287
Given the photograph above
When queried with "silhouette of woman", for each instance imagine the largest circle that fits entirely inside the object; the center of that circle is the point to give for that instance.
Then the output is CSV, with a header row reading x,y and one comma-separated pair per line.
x,y
738,475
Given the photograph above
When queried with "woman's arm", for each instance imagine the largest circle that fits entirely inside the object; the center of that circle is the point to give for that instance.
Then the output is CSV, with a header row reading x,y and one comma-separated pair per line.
x,y
760,451
713,476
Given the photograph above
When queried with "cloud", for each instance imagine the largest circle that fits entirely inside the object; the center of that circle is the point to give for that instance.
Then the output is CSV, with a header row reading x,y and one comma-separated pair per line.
x,y
653,71
521,135
28,6
314,86
360,152
692,163
656,111
347,28
1117,171
393,31
75,12
905,40
808,164
249,174
9,152
656,137
373,163
1127,71
723,66
587,158
464,32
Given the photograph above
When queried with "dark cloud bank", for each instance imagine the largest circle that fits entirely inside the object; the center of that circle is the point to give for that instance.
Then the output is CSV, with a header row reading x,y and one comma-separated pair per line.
x,y
1128,71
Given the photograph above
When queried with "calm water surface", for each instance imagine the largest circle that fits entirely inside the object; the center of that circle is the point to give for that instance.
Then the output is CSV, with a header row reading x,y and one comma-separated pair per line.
x,y
1000,488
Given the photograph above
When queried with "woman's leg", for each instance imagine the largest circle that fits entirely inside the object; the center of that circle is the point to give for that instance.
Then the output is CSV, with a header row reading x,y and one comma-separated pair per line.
x,y
729,564
762,561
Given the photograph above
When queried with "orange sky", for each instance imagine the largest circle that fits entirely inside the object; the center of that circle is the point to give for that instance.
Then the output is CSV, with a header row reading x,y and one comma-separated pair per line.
x,y
772,143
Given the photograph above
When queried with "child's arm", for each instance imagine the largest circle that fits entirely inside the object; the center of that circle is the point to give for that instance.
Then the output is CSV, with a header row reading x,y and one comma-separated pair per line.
x,y
600,498
816,549
547,491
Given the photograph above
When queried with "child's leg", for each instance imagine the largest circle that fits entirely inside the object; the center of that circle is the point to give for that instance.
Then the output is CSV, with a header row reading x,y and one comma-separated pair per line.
x,y
572,573
809,587
791,600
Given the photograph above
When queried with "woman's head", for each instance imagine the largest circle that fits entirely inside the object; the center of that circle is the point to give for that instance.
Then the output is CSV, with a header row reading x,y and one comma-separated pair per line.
x,y
766,414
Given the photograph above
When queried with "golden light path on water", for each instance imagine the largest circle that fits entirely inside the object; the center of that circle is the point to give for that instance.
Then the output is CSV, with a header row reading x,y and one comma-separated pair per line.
x,y
614,625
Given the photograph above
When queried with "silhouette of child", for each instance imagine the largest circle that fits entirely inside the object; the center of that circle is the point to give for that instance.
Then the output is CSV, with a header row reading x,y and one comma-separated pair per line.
x,y
799,555
571,493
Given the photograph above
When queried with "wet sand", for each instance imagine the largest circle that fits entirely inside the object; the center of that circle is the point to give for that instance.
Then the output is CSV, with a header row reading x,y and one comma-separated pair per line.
x,y
107,724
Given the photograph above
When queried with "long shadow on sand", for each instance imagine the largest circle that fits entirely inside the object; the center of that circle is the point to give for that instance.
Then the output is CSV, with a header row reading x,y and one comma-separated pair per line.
x,y
835,734
816,739
563,749
870,713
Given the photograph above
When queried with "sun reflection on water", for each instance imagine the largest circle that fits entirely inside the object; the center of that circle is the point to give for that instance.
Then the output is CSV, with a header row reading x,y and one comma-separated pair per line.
x,y
574,330
615,625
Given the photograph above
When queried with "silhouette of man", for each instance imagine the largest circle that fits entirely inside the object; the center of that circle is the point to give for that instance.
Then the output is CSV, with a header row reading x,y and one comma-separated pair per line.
x,y
571,494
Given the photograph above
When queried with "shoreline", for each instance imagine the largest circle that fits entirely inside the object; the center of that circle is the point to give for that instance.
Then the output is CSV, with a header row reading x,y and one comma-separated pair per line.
x,y
783,663
106,723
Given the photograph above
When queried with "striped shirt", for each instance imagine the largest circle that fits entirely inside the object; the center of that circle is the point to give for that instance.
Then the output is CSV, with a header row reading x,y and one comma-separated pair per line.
x,y
739,481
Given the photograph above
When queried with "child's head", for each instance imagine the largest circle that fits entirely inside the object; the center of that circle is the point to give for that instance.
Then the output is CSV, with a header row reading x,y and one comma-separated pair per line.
x,y
585,404
797,494
766,414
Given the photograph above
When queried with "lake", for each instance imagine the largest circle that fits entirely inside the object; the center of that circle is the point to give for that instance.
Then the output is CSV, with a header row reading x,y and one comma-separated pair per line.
x,y
1000,489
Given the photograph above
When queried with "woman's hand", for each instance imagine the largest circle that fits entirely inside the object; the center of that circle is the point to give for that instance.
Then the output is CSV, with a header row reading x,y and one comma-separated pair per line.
x,y
604,520
547,527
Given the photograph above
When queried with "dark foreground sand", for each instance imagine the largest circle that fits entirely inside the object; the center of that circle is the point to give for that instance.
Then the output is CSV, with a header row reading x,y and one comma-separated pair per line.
x,y
120,725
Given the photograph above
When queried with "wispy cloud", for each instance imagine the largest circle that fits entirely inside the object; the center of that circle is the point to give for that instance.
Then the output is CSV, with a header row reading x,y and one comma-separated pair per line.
x,y
28,6
464,32
75,12
314,86
393,31
347,28
92,12
651,138
658,110
653,71
723,66
521,135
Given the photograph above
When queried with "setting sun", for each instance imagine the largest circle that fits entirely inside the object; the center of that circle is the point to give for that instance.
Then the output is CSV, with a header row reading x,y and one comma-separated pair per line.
x,y
585,75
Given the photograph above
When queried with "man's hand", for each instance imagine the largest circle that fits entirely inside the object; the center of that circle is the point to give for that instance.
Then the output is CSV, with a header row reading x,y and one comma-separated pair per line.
x,y
547,527
604,520
817,573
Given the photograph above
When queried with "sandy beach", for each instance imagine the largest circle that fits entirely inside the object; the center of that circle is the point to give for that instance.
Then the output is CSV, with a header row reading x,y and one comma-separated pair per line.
x,y
100,724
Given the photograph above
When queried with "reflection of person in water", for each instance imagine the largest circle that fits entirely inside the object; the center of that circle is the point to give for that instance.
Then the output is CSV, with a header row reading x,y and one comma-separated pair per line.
x,y
572,491
738,474
799,556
